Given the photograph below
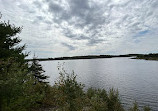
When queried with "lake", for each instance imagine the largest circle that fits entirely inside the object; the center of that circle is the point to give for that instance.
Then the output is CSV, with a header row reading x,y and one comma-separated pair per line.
x,y
136,80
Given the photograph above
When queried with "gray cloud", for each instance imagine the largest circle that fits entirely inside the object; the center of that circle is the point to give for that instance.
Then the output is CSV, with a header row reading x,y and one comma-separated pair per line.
x,y
92,42
107,17
74,36
78,14
84,25
37,4
39,18
70,47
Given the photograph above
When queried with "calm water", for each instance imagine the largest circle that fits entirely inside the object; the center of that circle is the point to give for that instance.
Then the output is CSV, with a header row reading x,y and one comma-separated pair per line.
x,y
135,79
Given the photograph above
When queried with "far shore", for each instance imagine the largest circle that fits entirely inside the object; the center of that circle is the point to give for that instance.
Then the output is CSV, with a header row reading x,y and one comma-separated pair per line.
x,y
149,58
82,57
152,56
135,56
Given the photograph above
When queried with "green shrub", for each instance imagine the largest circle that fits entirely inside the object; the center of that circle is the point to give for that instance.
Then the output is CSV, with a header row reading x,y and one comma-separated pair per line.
x,y
134,107
70,93
147,108
17,89
102,100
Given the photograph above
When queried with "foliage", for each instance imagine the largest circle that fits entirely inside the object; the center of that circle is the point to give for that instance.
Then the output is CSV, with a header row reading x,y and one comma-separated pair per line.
x,y
147,108
151,56
37,71
70,92
104,101
68,95
17,91
9,42
134,107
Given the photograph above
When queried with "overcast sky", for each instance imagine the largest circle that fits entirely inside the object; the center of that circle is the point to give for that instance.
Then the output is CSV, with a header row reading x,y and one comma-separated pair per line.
x,y
53,28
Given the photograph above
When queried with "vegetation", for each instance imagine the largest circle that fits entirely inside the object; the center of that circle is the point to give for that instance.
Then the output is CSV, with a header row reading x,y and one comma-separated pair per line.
x,y
18,91
80,57
37,71
152,56
8,41
23,85
68,95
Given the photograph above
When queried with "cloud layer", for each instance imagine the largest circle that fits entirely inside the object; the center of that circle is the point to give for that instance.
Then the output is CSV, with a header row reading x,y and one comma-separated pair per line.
x,y
81,27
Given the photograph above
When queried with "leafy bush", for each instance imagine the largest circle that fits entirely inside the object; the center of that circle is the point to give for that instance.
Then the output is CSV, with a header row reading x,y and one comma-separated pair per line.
x,y
102,100
70,92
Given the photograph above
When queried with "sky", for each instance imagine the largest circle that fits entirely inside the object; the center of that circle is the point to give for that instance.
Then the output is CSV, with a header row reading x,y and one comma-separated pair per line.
x,y
55,28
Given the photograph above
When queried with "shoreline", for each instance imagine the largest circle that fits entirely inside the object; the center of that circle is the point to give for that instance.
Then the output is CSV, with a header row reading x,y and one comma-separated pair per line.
x,y
153,57
149,59
79,57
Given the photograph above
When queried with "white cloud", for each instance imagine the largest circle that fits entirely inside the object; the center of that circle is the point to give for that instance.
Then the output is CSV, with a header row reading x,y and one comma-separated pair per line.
x,y
82,27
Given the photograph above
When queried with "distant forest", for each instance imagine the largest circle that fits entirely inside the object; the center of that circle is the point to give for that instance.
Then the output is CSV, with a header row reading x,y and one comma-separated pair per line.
x,y
151,56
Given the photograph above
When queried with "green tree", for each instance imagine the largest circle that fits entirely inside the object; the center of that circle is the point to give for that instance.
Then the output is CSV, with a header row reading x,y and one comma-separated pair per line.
x,y
9,41
17,89
38,71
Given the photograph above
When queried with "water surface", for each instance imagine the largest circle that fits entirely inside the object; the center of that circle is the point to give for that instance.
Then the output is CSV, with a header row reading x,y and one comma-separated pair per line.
x,y
135,79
